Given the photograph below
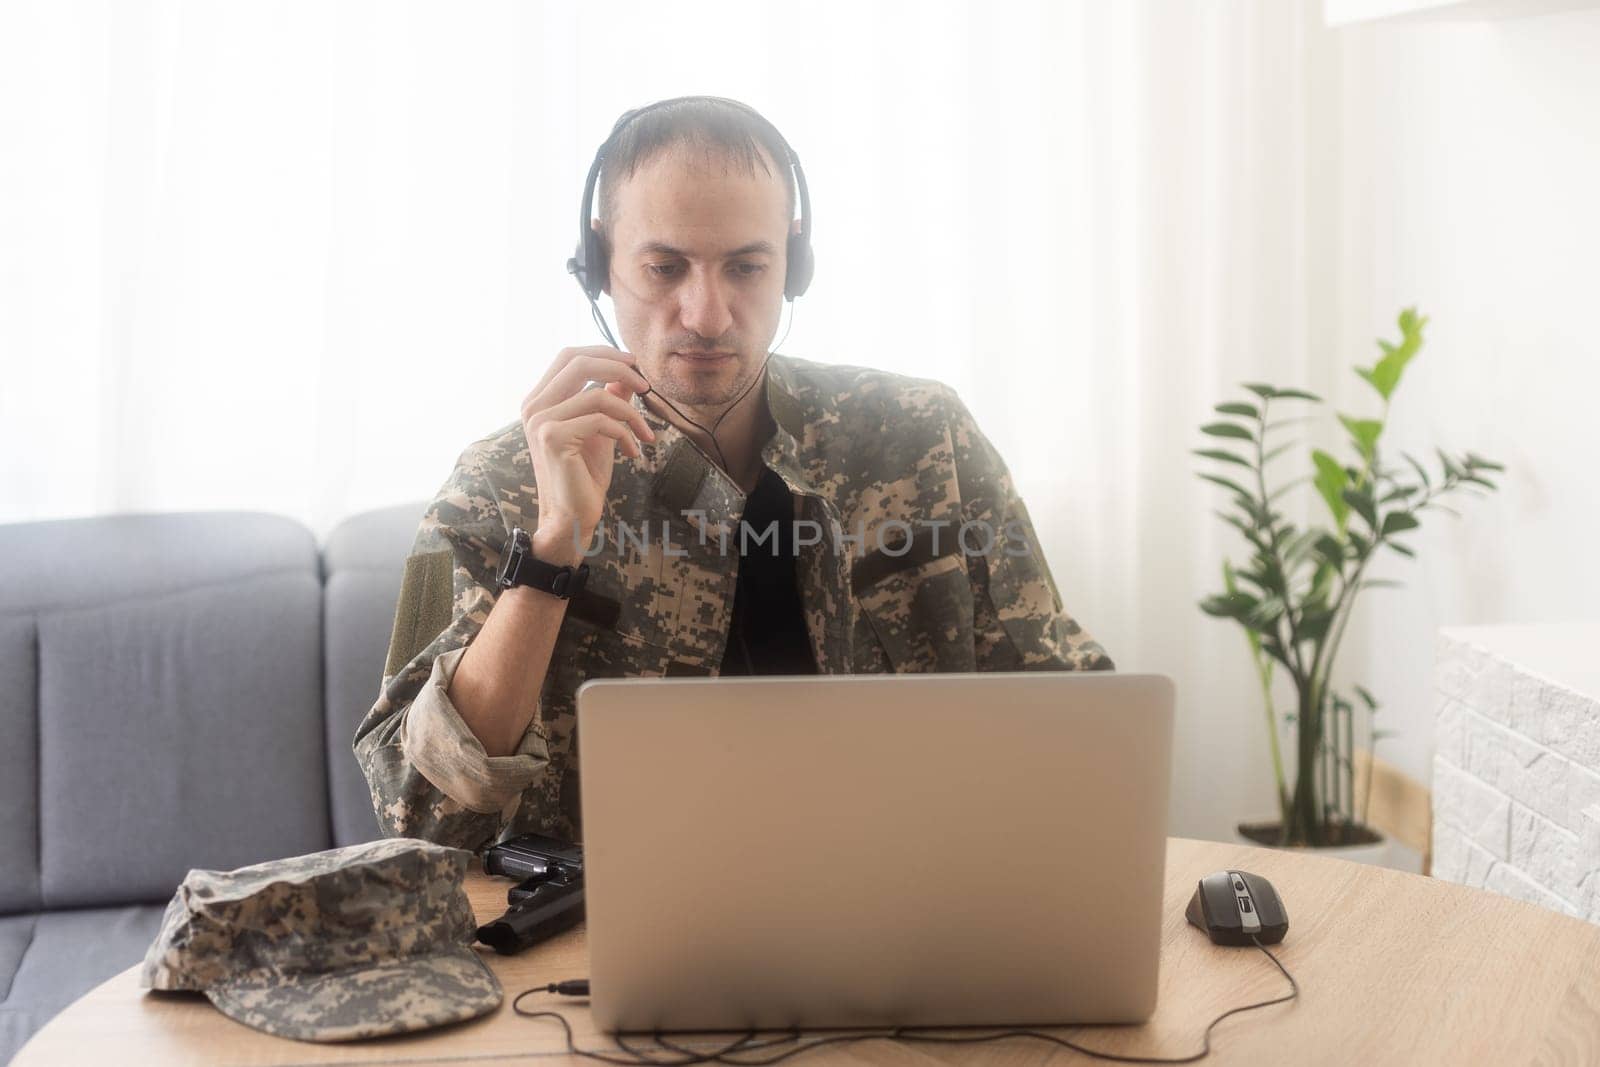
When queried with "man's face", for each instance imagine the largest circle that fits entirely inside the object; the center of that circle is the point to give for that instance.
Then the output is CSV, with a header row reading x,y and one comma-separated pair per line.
x,y
697,265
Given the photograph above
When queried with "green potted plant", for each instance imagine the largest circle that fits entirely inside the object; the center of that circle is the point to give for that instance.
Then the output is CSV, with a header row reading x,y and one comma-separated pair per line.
x,y
1294,594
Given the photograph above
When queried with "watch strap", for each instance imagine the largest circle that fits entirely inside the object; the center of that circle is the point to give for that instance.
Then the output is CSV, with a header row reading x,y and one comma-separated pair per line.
x,y
564,582
519,566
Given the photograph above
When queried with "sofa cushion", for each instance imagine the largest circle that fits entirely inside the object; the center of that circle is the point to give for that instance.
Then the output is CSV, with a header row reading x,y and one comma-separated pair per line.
x,y
49,960
179,731
178,699
362,562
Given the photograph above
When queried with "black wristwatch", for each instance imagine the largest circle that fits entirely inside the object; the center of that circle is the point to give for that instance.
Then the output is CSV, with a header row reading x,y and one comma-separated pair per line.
x,y
519,567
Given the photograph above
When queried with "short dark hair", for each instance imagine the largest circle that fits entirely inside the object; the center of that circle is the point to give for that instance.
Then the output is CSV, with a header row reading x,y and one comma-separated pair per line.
x,y
722,129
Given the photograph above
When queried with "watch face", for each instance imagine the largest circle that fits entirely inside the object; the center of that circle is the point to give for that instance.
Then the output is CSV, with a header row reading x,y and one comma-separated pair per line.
x,y
517,546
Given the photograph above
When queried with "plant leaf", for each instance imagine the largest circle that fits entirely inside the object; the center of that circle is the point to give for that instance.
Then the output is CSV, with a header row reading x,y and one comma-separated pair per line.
x,y
1300,544
1247,410
1296,394
1418,468
1223,456
1254,579
1264,615
1399,522
1254,510
1372,705
1361,501
1285,487
1228,605
1227,429
1243,527
1402,549
1226,484
1314,625
1233,587
1330,482
1385,374
1279,423
1275,453
1330,548
1322,584
1365,433
1264,391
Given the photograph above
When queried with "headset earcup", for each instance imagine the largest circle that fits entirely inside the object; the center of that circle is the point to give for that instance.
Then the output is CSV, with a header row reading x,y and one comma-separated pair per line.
x,y
598,276
590,265
802,265
576,268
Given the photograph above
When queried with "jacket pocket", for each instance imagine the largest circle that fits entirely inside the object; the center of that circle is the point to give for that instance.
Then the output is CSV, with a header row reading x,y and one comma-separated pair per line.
x,y
921,615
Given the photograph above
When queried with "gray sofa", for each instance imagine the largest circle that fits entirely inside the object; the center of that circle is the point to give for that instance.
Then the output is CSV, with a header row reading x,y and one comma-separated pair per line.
x,y
176,691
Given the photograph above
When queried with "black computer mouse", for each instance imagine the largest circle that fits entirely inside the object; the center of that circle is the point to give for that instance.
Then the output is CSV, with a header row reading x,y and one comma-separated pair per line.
x,y
1234,907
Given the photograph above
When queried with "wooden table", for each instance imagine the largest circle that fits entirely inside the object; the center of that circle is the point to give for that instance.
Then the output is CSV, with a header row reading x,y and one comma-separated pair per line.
x,y
1393,968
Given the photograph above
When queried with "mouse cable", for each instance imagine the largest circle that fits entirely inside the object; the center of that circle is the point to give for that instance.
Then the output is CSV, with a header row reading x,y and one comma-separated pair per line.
x,y
605,331
631,1056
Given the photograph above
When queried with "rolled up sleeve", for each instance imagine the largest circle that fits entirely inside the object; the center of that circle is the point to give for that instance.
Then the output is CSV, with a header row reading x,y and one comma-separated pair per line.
x,y
447,753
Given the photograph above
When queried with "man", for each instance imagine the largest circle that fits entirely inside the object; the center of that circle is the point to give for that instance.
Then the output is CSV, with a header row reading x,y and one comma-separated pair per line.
x,y
742,512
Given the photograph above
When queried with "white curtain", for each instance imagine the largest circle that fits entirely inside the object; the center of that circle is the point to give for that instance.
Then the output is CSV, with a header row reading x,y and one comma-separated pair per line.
x,y
294,256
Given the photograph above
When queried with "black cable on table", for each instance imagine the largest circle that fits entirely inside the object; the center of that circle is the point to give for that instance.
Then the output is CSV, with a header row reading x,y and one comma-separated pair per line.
x,y
746,1044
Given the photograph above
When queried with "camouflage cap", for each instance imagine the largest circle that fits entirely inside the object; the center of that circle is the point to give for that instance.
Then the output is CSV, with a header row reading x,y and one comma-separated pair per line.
x,y
353,942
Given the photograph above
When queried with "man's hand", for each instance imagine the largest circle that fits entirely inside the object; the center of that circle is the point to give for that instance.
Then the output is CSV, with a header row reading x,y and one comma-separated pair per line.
x,y
573,435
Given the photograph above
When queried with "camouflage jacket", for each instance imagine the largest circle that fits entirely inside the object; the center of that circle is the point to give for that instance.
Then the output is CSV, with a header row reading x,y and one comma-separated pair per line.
x,y
924,559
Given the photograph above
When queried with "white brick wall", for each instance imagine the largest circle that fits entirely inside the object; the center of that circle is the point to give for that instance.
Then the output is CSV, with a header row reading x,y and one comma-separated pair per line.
x,y
1516,767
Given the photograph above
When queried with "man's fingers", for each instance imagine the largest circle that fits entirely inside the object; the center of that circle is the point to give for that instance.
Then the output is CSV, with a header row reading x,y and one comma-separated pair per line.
x,y
573,380
577,431
592,400
567,355
578,373
590,355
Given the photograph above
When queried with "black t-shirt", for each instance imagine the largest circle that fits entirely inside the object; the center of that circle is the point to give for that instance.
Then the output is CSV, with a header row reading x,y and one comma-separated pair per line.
x,y
768,632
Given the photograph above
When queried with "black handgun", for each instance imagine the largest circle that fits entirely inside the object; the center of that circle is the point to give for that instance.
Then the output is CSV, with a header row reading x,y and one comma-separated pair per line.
x,y
548,896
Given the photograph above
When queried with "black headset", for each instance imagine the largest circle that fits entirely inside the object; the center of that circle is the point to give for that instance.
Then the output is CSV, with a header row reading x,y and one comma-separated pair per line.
x,y
592,265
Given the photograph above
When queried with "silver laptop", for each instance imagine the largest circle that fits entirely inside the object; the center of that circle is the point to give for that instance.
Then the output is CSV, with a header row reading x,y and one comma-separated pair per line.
x,y
767,853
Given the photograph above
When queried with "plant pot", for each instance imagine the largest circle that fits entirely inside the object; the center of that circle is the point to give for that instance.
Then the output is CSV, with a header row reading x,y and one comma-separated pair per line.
x,y
1377,853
